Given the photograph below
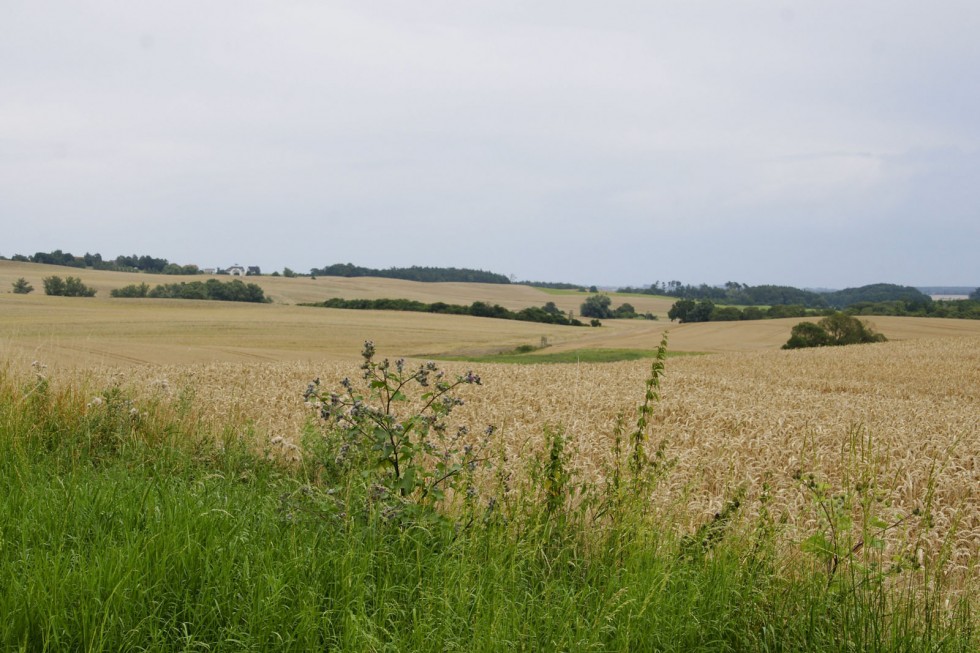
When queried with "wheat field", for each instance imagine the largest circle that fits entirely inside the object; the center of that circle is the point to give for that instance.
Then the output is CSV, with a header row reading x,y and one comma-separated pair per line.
x,y
747,418
731,421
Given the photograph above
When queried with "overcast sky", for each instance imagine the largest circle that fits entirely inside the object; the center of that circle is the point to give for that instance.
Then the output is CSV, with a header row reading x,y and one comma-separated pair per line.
x,y
812,143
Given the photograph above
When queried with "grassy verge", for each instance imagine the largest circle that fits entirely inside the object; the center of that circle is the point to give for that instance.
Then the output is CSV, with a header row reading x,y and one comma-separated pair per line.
x,y
130,529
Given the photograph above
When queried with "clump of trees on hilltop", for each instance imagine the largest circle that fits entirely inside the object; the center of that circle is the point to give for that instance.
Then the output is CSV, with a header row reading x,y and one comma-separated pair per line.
x,y
414,273
132,263
769,295
734,293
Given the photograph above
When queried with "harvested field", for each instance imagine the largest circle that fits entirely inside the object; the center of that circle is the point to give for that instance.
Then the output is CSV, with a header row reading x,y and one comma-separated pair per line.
x,y
70,331
295,290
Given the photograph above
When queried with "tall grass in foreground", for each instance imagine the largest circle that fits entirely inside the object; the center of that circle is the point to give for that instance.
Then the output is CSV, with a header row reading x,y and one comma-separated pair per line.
x,y
136,528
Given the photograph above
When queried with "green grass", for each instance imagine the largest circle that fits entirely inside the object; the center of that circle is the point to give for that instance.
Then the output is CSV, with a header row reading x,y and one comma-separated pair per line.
x,y
564,357
122,532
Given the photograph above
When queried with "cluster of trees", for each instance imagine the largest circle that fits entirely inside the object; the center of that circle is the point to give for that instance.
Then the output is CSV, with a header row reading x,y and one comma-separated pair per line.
x,y
734,293
119,264
212,289
67,287
554,285
414,273
835,329
878,292
769,295
688,310
968,309
600,307
547,314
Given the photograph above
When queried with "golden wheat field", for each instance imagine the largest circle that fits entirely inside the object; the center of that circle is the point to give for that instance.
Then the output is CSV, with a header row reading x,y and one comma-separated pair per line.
x,y
745,418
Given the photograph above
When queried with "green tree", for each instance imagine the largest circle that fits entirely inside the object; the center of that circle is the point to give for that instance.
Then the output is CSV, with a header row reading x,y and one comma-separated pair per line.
x,y
680,310
67,287
848,330
21,287
286,272
54,286
552,309
133,290
597,306
975,295
75,288
688,310
807,334
625,311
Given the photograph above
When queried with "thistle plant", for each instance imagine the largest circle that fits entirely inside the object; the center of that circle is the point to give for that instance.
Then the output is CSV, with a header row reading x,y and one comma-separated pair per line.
x,y
406,458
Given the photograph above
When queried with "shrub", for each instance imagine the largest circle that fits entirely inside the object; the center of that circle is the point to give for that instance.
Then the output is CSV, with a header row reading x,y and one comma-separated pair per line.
x,y
133,290
21,287
67,287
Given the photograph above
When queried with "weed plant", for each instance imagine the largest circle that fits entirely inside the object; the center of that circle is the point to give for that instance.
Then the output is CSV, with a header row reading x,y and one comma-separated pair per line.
x,y
135,527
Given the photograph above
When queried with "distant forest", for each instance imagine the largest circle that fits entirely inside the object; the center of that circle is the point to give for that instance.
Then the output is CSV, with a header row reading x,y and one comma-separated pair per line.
x,y
414,273
877,299
767,295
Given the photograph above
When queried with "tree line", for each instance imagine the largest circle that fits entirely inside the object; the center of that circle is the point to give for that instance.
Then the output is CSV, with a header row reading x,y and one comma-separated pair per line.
x,y
131,263
772,295
212,289
413,273
547,314
689,310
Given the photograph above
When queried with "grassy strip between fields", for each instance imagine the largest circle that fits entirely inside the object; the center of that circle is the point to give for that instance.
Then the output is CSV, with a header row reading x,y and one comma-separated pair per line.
x,y
535,357
128,527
